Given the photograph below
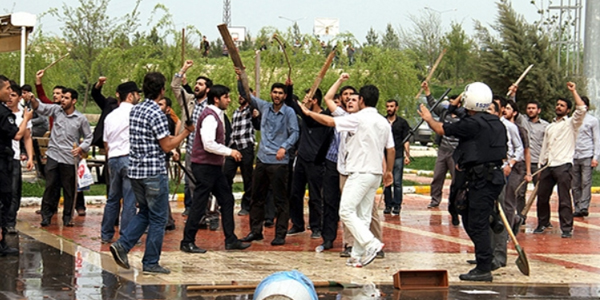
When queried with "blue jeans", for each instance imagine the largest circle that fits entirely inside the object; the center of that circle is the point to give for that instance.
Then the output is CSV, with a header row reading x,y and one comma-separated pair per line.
x,y
152,195
120,188
395,201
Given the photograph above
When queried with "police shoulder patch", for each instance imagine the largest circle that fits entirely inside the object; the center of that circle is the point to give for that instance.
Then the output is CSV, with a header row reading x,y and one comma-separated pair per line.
x,y
11,120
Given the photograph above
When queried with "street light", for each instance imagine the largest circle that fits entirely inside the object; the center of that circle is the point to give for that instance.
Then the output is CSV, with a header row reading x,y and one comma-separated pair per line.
x,y
439,12
292,20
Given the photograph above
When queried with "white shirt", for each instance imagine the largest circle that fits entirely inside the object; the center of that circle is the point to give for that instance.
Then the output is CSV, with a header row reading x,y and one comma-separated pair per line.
x,y
208,132
341,161
16,145
116,130
559,139
514,143
370,135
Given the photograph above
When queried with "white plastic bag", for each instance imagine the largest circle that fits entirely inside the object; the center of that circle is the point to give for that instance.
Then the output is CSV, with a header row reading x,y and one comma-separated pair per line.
x,y
84,176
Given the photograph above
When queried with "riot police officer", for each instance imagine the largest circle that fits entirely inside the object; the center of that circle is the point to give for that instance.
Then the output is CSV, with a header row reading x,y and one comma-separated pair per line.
x,y
8,131
481,149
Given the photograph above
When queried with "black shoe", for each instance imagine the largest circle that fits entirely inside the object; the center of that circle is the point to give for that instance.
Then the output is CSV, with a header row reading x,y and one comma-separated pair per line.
x,y
106,241
252,237
237,245
11,230
214,224
476,275
68,222
395,211
380,254
327,245
45,222
455,219
191,248
315,234
517,224
347,251
186,212
577,214
566,234
155,269
81,212
170,227
540,229
119,254
269,223
496,266
295,231
5,250
278,241
472,261
433,205
584,212
243,212
387,210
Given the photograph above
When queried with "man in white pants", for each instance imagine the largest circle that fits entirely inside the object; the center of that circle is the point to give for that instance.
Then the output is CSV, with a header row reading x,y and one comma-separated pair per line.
x,y
370,134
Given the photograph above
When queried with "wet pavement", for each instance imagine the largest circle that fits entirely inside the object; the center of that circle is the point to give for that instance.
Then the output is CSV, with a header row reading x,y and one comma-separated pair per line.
x,y
59,262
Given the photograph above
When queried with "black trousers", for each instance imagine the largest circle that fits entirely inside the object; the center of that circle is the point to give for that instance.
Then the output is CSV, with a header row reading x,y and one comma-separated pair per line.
x,y
561,177
210,179
6,180
276,177
246,164
311,173
331,201
15,203
59,176
481,197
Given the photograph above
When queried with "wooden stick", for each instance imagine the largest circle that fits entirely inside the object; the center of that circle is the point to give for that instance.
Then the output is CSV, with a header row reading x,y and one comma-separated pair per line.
x,y
435,65
182,45
235,57
283,48
321,74
257,73
55,62
521,78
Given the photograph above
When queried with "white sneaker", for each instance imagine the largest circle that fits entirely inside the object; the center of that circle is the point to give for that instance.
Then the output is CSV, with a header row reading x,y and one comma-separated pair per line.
x,y
353,262
370,254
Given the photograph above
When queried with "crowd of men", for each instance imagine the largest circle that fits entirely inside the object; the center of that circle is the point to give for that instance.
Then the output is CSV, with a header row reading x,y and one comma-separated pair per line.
x,y
336,144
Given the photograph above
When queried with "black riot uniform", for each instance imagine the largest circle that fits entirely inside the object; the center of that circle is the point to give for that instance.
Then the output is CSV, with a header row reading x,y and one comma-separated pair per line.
x,y
8,130
481,148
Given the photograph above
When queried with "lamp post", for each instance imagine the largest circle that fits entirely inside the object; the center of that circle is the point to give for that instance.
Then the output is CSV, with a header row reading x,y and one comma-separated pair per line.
x,y
23,20
439,12
294,21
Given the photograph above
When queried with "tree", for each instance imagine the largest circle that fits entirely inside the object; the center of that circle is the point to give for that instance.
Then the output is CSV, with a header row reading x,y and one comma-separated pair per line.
x,y
520,44
390,39
460,55
372,38
424,38
87,29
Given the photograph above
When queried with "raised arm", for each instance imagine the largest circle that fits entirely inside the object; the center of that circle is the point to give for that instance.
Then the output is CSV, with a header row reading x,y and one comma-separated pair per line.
x,y
176,83
430,100
39,88
97,93
579,113
333,90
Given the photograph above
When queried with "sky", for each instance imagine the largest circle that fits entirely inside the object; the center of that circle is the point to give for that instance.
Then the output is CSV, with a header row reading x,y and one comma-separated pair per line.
x,y
355,16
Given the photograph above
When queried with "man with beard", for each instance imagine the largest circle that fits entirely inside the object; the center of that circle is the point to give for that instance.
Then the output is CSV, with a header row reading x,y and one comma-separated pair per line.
x,y
279,132
309,166
196,104
557,153
69,126
400,130
207,165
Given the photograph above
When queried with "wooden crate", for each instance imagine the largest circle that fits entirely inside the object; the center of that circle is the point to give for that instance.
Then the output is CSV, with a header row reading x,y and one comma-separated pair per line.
x,y
421,279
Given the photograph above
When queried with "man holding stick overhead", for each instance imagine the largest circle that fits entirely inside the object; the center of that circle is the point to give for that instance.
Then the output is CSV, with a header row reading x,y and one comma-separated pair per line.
x,y
195,103
279,132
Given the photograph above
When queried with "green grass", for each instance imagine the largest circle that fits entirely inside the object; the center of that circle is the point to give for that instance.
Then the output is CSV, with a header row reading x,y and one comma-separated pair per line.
x,y
422,163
